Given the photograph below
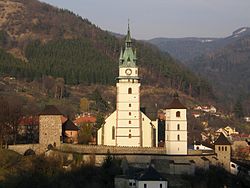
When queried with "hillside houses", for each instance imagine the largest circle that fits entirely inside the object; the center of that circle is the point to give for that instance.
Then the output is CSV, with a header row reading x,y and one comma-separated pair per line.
x,y
206,108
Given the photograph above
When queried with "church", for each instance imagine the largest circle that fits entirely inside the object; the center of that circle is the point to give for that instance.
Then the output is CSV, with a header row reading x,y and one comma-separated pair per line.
x,y
128,126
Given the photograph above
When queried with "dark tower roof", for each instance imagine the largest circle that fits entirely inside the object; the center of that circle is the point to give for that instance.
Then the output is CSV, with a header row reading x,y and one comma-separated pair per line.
x,y
50,110
151,175
69,126
176,104
222,140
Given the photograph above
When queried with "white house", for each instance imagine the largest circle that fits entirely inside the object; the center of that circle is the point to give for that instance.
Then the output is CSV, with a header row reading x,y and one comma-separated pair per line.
x,y
127,126
149,178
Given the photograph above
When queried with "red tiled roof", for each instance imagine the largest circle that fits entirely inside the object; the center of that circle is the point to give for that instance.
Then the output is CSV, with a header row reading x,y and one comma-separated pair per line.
x,y
31,120
85,119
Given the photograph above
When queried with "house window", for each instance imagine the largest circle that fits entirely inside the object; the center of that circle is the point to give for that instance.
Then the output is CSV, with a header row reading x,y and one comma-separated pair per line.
x,y
129,105
178,137
145,185
129,90
178,114
225,148
222,148
130,184
113,133
160,185
129,136
219,148
129,122
129,113
178,127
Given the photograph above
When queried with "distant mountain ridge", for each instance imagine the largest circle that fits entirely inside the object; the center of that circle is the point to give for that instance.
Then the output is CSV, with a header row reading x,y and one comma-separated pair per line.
x,y
187,48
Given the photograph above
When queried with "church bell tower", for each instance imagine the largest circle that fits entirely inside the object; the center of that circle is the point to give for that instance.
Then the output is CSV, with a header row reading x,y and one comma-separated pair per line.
x,y
128,126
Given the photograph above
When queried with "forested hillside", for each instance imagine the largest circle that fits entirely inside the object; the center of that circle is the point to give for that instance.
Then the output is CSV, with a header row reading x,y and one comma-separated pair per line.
x,y
228,68
56,42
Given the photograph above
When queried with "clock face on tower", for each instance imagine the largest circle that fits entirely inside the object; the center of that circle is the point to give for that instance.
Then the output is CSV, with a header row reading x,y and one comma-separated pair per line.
x,y
128,71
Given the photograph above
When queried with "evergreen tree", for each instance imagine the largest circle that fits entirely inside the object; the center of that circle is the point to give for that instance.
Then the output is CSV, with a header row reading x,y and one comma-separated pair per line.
x,y
238,109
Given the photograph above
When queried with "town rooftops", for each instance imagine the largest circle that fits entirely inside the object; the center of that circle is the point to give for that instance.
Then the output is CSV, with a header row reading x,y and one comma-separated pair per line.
x,y
69,126
50,110
176,104
151,175
222,140
85,119
30,120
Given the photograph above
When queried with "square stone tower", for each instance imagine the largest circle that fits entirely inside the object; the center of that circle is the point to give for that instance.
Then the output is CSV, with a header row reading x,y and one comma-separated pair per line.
x,y
223,150
50,126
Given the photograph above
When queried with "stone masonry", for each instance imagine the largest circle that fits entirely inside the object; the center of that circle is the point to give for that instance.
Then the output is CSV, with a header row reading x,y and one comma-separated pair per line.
x,y
50,130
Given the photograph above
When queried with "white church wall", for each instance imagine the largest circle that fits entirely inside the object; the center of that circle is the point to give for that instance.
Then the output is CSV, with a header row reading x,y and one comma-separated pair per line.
x,y
155,123
146,131
108,126
99,136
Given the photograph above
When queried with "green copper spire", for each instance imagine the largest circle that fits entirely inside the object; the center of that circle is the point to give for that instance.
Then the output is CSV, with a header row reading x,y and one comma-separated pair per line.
x,y
128,38
121,56
135,55
128,57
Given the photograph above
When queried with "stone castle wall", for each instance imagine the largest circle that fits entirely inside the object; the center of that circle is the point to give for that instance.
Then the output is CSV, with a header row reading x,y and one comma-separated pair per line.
x,y
22,148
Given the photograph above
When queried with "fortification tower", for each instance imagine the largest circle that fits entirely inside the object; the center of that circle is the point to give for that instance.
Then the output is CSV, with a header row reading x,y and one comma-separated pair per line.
x,y
176,128
223,151
50,126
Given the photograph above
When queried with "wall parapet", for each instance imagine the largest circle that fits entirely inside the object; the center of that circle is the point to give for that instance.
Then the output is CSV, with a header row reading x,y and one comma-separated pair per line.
x,y
88,149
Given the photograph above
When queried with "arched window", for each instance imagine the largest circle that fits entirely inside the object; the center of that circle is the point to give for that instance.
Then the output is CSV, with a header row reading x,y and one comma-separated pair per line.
x,y
130,90
129,136
178,127
129,113
219,148
222,148
129,122
178,114
129,105
178,137
113,132
225,148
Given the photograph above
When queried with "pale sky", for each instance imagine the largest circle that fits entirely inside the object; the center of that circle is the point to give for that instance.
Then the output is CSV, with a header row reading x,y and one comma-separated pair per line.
x,y
163,18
